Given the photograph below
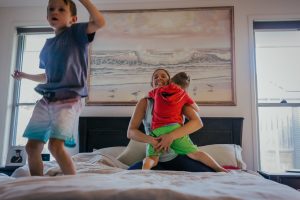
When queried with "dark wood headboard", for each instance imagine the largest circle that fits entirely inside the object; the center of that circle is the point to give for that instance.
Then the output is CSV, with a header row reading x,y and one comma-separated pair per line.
x,y
100,132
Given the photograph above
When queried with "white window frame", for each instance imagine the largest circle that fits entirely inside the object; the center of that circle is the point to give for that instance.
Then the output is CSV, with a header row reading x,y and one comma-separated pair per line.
x,y
21,34
253,79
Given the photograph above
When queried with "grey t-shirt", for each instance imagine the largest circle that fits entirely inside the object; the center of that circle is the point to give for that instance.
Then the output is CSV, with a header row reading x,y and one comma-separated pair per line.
x,y
166,156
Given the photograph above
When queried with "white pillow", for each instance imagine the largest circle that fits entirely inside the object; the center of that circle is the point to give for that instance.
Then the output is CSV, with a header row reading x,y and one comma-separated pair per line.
x,y
113,151
226,154
134,152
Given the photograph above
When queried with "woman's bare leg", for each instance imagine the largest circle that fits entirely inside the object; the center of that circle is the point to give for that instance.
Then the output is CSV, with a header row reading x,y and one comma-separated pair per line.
x,y
207,160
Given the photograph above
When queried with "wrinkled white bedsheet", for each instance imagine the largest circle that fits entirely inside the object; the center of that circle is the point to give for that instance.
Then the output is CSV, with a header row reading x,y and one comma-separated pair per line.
x,y
85,163
103,177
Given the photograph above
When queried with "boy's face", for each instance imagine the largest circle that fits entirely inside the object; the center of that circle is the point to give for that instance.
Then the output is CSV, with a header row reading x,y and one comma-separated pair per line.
x,y
59,15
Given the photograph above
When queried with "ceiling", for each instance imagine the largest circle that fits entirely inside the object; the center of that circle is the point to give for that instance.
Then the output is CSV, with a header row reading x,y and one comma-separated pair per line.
x,y
22,3
41,3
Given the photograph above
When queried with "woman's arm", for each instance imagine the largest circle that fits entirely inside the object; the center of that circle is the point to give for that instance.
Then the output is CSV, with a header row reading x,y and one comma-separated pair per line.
x,y
195,107
133,131
191,126
194,123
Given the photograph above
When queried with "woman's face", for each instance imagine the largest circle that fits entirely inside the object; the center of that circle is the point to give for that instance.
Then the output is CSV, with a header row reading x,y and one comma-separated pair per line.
x,y
160,78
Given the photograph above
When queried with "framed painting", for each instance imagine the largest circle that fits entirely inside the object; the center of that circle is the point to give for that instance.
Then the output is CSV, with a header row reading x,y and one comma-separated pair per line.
x,y
134,43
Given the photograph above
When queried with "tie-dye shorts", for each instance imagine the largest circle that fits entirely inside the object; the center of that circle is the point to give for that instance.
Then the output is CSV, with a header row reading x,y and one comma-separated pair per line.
x,y
57,120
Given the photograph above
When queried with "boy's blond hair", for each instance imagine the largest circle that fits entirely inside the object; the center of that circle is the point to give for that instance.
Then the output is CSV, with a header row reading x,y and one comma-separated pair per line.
x,y
71,5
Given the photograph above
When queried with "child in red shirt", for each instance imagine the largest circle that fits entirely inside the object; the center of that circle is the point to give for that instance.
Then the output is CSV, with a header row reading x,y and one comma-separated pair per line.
x,y
167,116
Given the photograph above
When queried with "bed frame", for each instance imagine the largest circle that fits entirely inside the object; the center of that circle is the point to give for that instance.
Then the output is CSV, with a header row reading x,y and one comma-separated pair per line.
x,y
101,132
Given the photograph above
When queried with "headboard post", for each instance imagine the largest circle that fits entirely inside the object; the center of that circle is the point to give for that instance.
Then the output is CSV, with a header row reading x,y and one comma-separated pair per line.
x,y
237,127
83,129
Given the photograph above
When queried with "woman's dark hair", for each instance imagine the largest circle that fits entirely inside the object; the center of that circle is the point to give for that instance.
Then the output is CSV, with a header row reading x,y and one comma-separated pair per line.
x,y
151,83
181,79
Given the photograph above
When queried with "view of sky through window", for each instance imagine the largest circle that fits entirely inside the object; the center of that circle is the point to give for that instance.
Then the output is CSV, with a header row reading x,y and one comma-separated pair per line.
x,y
278,66
277,70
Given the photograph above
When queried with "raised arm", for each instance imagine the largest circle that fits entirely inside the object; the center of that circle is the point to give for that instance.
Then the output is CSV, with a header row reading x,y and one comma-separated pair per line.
x,y
191,126
97,19
133,131
41,78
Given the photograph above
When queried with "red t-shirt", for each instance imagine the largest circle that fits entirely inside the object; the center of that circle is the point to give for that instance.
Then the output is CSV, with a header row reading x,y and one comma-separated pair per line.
x,y
168,103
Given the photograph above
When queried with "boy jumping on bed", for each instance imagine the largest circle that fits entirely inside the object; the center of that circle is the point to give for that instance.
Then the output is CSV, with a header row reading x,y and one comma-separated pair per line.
x,y
167,116
65,60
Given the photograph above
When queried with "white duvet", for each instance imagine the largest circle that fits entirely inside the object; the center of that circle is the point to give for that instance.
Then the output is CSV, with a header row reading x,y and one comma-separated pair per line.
x,y
104,177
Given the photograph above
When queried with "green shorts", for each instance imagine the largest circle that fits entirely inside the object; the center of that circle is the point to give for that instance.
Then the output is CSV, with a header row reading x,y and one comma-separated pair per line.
x,y
183,145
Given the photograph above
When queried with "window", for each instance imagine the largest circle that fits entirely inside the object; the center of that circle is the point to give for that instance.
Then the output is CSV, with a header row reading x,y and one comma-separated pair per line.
x,y
30,43
277,46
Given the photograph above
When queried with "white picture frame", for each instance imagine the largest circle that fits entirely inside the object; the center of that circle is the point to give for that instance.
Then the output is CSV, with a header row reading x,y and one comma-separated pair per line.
x,y
16,156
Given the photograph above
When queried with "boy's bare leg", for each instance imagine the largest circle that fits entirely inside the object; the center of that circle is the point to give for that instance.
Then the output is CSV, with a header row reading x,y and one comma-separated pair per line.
x,y
207,160
57,149
34,149
150,162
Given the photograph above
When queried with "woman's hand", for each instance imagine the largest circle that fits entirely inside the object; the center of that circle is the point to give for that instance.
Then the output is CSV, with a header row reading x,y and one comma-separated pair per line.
x,y
154,142
194,123
164,142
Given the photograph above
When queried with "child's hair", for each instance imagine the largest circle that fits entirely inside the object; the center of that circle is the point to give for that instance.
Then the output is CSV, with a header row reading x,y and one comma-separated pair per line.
x,y
72,6
181,79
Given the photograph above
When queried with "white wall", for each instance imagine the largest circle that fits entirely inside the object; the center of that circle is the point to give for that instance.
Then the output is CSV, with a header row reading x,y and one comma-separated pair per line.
x,y
244,12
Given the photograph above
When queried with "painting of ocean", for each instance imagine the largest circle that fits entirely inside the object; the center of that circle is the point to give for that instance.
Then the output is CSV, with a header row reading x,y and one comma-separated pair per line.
x,y
124,55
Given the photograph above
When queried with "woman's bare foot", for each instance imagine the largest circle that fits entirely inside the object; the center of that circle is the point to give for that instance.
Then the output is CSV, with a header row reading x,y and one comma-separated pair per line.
x,y
221,169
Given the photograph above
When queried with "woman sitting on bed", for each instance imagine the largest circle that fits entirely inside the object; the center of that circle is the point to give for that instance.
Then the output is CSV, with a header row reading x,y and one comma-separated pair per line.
x,y
169,160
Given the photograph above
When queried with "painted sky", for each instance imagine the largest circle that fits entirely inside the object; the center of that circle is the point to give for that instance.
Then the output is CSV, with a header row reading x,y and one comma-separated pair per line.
x,y
208,28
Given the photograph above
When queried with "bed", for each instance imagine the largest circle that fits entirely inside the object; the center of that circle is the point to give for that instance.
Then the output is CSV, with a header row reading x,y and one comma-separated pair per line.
x,y
105,153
